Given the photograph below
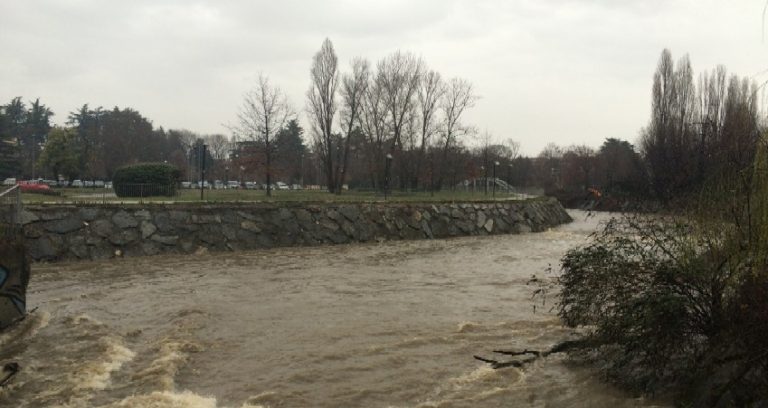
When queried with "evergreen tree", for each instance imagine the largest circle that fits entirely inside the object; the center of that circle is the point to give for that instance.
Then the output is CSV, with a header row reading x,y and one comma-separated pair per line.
x,y
88,125
9,151
33,136
61,153
289,150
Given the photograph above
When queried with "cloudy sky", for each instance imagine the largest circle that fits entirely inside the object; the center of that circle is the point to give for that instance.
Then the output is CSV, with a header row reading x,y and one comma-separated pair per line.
x,y
563,71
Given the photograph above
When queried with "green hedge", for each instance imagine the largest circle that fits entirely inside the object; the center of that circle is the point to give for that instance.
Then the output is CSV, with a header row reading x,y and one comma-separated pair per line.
x,y
146,180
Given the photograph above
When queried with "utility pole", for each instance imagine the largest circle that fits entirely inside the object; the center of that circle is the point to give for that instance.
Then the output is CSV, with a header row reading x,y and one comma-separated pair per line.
x,y
202,170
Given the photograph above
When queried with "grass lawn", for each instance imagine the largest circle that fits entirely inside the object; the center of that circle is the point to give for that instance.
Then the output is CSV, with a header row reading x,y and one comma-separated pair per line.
x,y
95,196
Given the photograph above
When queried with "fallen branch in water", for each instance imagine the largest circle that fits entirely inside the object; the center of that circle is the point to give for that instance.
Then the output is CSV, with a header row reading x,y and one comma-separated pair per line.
x,y
518,353
557,348
495,364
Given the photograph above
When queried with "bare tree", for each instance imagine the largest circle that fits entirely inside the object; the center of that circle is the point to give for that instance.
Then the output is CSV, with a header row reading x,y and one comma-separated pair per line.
x,y
353,87
431,89
375,125
658,139
457,98
219,146
578,167
512,149
264,112
321,106
398,76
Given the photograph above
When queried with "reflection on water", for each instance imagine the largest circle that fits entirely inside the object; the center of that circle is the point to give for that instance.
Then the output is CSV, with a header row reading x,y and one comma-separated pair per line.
x,y
382,325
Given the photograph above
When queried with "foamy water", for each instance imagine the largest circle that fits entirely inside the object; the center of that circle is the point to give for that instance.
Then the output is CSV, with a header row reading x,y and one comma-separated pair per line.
x,y
383,325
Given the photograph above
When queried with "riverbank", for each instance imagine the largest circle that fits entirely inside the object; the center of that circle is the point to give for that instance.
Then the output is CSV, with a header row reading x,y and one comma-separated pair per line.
x,y
102,231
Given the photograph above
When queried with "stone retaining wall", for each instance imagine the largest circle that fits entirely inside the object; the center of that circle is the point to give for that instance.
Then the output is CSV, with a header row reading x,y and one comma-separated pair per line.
x,y
61,232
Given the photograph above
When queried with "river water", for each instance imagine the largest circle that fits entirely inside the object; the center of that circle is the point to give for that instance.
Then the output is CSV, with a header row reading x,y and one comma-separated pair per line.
x,y
382,325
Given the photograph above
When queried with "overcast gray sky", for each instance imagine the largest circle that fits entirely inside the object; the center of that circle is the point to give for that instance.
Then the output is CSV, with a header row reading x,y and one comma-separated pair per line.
x,y
563,71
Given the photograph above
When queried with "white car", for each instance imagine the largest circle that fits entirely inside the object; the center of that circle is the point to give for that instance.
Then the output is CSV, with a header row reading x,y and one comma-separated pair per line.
x,y
9,182
77,183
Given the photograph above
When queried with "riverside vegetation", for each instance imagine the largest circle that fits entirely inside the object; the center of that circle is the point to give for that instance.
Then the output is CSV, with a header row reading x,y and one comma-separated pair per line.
x,y
678,305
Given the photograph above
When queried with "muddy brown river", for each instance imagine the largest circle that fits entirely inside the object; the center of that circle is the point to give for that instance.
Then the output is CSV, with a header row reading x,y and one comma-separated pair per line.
x,y
382,325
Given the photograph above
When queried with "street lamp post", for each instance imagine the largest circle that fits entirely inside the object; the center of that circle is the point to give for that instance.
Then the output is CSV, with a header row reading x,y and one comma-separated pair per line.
x,y
496,163
226,176
386,174
485,180
240,184
509,178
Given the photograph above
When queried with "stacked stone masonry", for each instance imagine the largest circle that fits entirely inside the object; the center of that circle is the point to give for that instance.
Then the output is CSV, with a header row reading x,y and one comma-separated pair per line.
x,y
90,232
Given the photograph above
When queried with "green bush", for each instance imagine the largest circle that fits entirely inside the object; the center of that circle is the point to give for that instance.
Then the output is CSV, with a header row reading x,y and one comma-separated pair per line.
x,y
146,180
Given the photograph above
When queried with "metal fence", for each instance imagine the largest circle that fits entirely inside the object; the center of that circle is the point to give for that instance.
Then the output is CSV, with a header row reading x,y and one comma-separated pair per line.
x,y
10,212
145,190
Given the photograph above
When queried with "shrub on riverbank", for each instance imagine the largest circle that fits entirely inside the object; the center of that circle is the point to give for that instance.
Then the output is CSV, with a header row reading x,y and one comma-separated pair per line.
x,y
680,304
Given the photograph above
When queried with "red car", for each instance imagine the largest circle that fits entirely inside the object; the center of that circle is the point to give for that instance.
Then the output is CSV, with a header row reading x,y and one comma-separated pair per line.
x,y
32,187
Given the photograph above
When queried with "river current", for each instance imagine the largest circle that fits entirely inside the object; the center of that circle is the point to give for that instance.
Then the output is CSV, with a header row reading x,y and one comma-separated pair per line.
x,y
393,324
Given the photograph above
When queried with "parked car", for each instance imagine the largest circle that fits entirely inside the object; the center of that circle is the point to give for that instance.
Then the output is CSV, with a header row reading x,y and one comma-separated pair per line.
x,y
108,184
34,186
281,186
296,187
250,185
99,183
77,183
88,183
186,184
62,183
30,187
233,184
9,182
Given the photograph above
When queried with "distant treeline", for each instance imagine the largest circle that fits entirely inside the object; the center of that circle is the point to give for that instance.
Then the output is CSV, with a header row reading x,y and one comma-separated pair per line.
x,y
699,129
